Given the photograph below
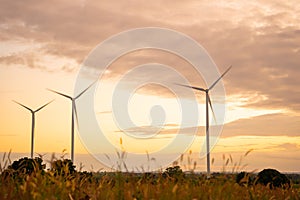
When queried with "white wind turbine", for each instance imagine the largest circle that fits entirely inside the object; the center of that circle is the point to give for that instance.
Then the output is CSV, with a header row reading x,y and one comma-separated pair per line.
x,y
74,114
208,101
32,122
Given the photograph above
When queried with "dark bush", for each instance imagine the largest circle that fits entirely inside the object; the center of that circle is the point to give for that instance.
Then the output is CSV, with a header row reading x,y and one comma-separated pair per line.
x,y
63,167
23,167
27,165
174,172
272,178
242,178
86,176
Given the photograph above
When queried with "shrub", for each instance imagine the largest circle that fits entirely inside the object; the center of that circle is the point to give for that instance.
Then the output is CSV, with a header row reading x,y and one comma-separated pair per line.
x,y
23,167
27,165
63,167
273,178
242,178
174,172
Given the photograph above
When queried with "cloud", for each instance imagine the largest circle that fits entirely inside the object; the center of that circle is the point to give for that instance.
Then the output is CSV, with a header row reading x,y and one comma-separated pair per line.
x,y
279,124
289,146
12,60
260,39
149,131
265,125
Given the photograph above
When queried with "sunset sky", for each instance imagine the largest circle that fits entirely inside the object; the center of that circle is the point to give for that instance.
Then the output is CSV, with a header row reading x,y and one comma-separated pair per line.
x,y
43,44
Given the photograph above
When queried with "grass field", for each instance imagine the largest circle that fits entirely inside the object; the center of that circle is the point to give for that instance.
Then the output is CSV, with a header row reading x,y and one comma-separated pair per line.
x,y
64,182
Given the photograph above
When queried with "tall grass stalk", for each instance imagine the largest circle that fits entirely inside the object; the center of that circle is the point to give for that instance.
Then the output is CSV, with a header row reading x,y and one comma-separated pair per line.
x,y
47,184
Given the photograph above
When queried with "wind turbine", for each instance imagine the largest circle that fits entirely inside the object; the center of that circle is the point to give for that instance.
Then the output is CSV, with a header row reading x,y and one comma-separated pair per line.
x,y
32,122
208,101
74,114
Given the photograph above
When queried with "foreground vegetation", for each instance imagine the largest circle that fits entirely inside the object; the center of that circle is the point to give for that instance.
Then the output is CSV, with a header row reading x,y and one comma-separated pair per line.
x,y
28,179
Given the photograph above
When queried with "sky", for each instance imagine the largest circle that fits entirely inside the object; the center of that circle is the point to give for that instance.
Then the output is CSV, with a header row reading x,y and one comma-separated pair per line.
x,y
44,43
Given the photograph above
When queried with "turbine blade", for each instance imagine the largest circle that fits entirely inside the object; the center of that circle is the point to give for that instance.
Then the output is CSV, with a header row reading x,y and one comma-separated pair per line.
x,y
212,110
213,85
60,93
76,115
40,108
196,88
23,106
85,90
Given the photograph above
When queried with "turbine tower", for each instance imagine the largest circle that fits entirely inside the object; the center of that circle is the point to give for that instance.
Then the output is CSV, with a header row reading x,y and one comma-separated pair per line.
x,y
32,122
74,114
208,101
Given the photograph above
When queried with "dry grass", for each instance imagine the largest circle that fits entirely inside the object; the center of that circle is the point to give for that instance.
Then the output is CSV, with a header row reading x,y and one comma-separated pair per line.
x,y
118,185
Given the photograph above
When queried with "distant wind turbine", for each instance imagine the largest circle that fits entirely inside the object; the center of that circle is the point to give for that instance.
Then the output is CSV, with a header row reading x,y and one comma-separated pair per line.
x,y
208,101
74,114
32,122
